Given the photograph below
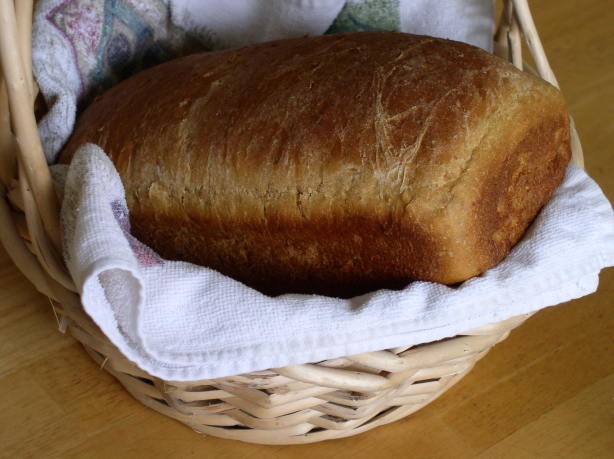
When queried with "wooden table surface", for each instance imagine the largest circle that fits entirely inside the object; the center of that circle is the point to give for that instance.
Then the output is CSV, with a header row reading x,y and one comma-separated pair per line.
x,y
547,391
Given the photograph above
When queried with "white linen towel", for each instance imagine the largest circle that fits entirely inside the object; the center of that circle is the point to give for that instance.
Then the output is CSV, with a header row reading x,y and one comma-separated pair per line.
x,y
242,22
179,321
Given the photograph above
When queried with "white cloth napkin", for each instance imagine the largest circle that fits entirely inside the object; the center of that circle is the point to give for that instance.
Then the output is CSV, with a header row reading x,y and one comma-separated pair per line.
x,y
179,321
241,22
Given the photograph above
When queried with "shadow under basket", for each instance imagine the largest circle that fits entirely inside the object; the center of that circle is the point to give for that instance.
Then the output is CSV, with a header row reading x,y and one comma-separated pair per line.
x,y
299,404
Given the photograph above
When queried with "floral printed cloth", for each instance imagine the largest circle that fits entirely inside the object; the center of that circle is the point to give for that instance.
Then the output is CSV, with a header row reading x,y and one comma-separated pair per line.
x,y
82,47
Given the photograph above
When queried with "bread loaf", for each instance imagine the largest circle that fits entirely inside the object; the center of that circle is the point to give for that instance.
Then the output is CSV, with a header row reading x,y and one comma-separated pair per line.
x,y
336,164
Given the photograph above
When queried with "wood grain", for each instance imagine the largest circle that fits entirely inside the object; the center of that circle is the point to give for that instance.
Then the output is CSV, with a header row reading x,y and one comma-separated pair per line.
x,y
546,391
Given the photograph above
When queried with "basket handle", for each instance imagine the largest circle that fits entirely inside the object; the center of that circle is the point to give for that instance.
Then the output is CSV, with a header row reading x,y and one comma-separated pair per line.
x,y
516,19
20,97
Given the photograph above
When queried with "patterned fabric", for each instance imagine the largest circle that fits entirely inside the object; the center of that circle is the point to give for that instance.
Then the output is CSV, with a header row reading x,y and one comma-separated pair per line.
x,y
112,39
364,15
144,255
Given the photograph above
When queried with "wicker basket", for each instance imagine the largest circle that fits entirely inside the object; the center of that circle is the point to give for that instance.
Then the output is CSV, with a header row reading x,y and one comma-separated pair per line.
x,y
299,404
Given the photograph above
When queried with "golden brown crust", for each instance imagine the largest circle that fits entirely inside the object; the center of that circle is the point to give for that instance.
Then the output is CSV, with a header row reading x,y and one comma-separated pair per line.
x,y
335,164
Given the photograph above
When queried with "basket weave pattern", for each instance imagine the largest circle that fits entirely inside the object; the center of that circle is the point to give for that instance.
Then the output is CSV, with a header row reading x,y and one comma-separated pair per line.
x,y
299,404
